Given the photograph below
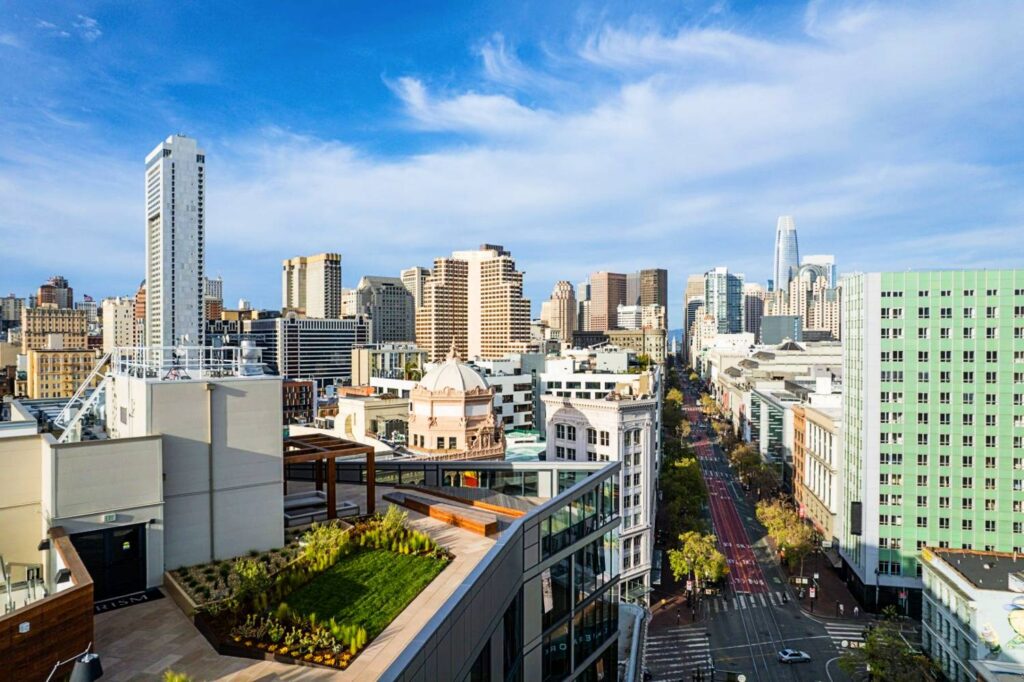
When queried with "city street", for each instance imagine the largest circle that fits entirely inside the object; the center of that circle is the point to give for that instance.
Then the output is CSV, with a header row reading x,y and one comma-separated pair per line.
x,y
743,629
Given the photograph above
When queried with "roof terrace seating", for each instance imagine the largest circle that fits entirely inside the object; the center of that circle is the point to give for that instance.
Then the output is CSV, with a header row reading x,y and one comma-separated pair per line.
x,y
467,518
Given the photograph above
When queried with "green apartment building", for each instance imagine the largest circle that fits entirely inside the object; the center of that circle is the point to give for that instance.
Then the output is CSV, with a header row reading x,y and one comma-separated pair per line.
x,y
933,423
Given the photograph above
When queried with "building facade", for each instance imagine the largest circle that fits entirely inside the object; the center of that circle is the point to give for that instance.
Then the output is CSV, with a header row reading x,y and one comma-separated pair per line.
x,y
933,410
723,300
616,428
305,348
452,415
607,293
817,446
175,242
311,285
387,361
56,291
754,296
787,253
973,614
563,315
38,324
58,372
118,323
654,287
390,307
474,302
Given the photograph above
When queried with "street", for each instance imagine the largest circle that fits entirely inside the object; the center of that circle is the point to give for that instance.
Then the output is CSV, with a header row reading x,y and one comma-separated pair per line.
x,y
757,614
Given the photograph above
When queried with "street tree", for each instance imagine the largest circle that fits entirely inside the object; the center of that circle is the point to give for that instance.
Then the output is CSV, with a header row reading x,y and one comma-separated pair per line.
x,y
886,655
793,538
708,404
698,558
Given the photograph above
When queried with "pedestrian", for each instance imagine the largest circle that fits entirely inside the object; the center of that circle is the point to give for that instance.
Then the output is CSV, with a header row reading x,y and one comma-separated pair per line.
x,y
678,617
856,611
842,609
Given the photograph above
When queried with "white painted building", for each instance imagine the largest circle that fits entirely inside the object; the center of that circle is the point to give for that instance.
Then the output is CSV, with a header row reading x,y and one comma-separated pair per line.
x,y
118,323
622,428
180,467
175,242
972,613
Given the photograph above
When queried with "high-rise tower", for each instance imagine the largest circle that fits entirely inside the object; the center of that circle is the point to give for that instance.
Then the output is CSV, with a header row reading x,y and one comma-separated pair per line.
x,y
175,242
787,253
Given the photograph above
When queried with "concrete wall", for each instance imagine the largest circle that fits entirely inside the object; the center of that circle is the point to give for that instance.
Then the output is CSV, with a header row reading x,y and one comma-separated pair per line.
x,y
238,424
92,480
21,520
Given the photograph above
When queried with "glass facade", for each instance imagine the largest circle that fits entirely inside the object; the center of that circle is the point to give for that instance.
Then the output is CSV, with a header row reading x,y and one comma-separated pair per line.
x,y
553,581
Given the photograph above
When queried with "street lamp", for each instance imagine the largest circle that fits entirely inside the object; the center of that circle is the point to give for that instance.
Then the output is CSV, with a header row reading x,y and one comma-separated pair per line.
x,y
877,579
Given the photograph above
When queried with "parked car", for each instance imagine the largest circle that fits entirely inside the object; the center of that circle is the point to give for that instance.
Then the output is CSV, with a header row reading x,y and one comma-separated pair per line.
x,y
794,656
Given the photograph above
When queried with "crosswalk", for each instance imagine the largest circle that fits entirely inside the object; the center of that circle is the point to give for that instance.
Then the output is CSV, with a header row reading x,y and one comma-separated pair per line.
x,y
846,636
675,653
743,601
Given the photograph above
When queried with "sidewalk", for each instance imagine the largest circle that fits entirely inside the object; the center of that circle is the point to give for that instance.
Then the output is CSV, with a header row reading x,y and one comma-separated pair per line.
x,y
833,600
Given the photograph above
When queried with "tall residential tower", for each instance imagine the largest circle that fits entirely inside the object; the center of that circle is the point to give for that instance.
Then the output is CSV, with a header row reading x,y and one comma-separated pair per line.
x,y
175,242
311,285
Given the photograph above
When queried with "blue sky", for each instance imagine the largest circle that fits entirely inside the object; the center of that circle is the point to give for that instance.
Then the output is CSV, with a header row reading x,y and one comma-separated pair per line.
x,y
582,136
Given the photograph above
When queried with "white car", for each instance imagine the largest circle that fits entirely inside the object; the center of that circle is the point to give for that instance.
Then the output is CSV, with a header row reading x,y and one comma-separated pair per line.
x,y
794,656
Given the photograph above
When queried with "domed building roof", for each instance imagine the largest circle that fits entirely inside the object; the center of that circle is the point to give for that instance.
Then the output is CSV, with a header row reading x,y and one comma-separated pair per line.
x,y
454,375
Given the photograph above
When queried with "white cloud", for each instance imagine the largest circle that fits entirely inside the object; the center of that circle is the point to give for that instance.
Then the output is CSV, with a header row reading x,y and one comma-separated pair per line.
x,y
885,131
88,28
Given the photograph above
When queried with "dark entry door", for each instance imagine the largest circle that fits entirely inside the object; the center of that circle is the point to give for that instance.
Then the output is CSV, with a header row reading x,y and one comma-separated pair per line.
x,y
115,558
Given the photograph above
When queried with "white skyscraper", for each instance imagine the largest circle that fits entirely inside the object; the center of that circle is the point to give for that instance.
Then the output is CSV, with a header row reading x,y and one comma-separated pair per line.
x,y
175,240
787,253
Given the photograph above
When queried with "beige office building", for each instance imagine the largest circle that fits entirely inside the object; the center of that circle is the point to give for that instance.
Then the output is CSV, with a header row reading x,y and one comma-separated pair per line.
x,y
607,293
474,302
311,285
119,327
414,278
37,324
58,372
562,310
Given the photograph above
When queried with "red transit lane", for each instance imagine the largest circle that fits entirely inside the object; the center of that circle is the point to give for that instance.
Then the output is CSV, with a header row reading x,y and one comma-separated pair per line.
x,y
744,571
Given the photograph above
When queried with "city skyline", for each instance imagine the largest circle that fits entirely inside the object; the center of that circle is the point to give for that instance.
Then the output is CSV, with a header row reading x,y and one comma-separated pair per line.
x,y
470,124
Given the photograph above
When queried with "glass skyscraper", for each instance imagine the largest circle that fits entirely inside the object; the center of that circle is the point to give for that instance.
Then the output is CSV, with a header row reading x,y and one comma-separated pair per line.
x,y
787,253
723,299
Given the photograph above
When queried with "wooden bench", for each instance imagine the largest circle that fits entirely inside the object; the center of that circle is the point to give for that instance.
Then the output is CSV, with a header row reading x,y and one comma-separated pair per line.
x,y
473,520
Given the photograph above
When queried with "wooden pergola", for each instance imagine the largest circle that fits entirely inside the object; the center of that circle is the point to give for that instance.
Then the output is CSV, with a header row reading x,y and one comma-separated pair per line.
x,y
319,448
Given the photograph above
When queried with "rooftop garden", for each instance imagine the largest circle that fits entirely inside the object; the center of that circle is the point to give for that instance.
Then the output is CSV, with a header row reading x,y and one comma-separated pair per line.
x,y
335,590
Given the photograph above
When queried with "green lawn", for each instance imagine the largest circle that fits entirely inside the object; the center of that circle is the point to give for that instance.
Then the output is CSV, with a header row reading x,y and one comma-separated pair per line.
x,y
368,588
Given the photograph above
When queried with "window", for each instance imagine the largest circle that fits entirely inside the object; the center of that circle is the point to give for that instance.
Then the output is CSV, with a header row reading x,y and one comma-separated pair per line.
x,y
559,430
991,312
967,524
604,438
944,522
967,503
944,333
943,502
967,482
922,480
990,526
991,377
922,501
968,332
924,313
991,332
591,436
967,461
968,377
570,432
968,292
990,504
967,399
